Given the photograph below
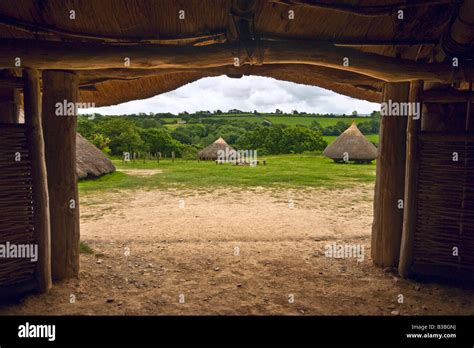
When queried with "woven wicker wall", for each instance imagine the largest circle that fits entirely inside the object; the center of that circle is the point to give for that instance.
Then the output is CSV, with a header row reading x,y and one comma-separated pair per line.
x,y
16,205
445,214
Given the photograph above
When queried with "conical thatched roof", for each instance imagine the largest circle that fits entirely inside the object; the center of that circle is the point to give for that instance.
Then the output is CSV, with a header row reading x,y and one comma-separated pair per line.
x,y
353,143
212,151
91,162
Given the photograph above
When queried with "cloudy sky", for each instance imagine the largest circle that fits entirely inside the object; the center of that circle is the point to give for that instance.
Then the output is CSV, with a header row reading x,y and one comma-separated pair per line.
x,y
247,93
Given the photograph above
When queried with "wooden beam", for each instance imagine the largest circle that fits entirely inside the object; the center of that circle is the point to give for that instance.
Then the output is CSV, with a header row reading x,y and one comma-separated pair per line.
x,y
411,179
444,136
442,117
32,102
361,10
390,181
338,76
160,85
80,56
60,143
447,96
37,28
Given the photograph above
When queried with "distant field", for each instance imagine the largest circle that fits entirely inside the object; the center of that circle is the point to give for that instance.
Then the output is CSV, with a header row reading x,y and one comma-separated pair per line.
x,y
284,171
288,120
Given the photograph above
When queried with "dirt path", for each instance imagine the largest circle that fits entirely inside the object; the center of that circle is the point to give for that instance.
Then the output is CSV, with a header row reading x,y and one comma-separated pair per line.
x,y
235,252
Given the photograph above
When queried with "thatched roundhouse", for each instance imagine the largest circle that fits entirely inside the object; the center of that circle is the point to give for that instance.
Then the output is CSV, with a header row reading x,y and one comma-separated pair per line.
x,y
217,150
351,145
386,51
91,162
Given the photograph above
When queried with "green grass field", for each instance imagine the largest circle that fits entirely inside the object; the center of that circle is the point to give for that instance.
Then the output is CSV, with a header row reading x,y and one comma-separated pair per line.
x,y
284,171
288,120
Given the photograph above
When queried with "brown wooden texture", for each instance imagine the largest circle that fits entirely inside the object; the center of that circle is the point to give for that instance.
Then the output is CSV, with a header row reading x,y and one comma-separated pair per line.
x,y
60,143
32,102
390,181
62,55
411,177
9,100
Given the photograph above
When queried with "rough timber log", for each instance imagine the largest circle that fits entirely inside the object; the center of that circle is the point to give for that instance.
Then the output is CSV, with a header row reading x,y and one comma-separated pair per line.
x,y
78,56
32,102
60,144
362,10
338,76
411,175
390,182
344,82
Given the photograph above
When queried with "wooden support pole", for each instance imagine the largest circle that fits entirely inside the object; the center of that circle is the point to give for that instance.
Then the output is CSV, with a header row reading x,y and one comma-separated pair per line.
x,y
32,102
411,177
60,93
390,181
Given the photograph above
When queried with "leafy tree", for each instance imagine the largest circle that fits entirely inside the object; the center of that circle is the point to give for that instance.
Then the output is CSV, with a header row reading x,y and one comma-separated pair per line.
x,y
315,125
301,139
159,140
123,135
189,152
101,142
86,127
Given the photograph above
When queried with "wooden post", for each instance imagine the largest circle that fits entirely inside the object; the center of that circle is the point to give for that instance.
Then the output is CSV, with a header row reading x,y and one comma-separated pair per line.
x,y
411,177
32,104
60,93
9,109
390,181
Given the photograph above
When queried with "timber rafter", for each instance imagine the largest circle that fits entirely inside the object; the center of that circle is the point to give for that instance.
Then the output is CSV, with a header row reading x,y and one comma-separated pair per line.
x,y
81,56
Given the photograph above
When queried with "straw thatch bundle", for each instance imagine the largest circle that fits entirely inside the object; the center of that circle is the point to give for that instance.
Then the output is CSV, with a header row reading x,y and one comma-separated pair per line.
x,y
360,29
351,145
91,162
212,151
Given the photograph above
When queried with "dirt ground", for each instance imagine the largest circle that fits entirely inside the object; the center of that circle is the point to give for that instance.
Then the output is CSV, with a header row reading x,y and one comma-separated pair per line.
x,y
234,252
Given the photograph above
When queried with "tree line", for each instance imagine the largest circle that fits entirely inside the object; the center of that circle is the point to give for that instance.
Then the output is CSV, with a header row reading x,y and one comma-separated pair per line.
x,y
149,133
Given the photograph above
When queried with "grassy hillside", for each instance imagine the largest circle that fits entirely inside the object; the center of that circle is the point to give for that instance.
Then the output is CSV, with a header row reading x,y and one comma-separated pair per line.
x,y
287,120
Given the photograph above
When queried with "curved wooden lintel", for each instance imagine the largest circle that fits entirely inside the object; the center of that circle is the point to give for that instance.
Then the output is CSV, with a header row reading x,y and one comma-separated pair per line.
x,y
79,56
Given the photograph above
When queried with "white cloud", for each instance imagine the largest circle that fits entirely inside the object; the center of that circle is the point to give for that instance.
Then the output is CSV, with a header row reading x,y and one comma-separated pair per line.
x,y
247,93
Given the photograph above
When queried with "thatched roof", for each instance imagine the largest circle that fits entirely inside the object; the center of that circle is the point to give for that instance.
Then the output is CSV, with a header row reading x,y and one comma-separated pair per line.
x,y
211,152
353,144
167,52
90,161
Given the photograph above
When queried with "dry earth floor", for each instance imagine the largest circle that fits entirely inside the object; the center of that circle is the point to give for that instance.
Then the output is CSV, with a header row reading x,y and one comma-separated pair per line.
x,y
234,252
